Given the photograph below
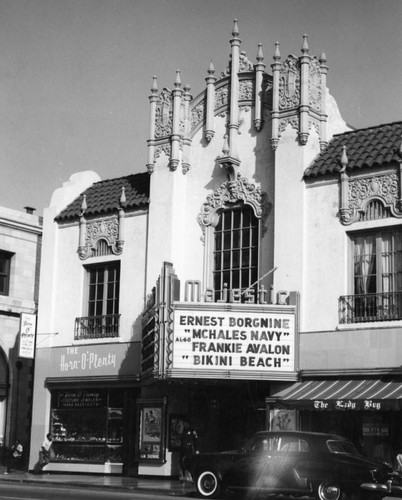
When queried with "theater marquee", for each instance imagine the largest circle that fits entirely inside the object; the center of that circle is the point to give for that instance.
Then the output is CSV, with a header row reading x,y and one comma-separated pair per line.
x,y
234,341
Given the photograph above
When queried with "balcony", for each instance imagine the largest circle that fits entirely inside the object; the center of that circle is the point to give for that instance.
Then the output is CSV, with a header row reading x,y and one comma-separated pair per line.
x,y
97,327
366,308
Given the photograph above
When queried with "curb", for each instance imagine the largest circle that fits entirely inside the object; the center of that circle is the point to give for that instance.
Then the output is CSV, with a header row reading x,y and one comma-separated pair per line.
x,y
180,490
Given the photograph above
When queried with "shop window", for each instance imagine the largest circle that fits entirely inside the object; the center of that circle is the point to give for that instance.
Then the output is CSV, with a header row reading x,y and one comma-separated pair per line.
x,y
103,316
236,238
377,278
87,426
5,266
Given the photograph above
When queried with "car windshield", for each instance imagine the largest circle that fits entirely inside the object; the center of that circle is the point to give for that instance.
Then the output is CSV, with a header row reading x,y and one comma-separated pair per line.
x,y
341,447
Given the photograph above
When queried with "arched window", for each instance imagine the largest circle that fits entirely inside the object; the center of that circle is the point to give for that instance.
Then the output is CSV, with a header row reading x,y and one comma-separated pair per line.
x,y
235,250
231,219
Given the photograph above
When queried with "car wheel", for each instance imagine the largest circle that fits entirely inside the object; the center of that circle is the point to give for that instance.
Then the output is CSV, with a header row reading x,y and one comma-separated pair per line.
x,y
208,484
329,490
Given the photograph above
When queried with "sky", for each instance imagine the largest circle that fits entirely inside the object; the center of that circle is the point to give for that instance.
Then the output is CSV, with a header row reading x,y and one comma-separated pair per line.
x,y
75,75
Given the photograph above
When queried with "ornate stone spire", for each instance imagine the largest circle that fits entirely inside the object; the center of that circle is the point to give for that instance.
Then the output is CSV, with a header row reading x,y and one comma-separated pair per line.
x,y
344,208
230,160
153,98
304,92
276,71
299,95
344,159
234,90
323,114
175,138
259,76
187,130
210,104
305,48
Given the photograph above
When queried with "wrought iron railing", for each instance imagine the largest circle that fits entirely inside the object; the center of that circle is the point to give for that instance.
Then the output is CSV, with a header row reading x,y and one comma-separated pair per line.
x,y
364,308
97,327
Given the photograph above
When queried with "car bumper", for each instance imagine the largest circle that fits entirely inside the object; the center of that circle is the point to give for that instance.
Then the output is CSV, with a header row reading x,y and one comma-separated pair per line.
x,y
389,489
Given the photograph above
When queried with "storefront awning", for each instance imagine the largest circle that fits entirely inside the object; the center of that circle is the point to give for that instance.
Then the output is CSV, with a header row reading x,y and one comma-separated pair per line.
x,y
362,394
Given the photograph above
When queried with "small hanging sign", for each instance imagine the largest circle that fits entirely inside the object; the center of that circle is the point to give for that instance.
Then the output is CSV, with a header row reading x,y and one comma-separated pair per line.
x,y
27,335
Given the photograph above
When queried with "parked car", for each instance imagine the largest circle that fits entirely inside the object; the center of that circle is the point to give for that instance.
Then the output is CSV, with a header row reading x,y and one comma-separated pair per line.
x,y
294,463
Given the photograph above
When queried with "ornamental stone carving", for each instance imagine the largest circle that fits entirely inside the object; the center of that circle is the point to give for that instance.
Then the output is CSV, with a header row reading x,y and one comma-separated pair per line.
x,y
293,121
315,84
267,96
96,230
362,191
182,121
313,123
197,114
229,192
289,83
221,97
162,148
164,114
246,90
245,65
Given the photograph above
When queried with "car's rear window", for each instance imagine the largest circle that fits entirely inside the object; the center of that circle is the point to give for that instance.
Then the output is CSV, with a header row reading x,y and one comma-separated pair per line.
x,y
286,444
336,446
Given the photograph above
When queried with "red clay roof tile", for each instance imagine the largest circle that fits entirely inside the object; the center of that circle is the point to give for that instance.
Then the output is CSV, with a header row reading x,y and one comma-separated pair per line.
x,y
104,197
369,147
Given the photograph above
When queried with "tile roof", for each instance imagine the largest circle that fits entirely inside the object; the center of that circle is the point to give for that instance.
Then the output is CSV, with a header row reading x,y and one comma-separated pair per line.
x,y
104,197
368,147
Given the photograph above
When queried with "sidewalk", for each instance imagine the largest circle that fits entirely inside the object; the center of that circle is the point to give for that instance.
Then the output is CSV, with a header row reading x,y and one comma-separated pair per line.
x,y
152,485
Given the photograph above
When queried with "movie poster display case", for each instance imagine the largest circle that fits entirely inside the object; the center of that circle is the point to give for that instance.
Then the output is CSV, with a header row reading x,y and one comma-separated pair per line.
x,y
152,426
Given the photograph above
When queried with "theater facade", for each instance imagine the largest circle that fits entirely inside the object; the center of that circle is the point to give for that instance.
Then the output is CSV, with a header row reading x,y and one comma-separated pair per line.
x,y
249,278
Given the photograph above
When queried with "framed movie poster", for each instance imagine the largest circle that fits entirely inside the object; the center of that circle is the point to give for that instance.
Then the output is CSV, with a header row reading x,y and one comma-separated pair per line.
x,y
176,425
152,424
282,420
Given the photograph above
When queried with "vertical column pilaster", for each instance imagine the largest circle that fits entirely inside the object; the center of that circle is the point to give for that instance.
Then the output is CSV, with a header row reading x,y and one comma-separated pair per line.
x,y
187,129
175,138
209,126
234,90
258,102
152,117
323,116
276,68
304,92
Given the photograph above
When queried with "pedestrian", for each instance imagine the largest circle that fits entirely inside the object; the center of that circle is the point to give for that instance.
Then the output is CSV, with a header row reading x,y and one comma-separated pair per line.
x,y
188,448
13,456
44,453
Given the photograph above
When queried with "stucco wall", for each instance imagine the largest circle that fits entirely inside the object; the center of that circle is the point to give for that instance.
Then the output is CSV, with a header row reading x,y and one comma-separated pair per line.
x,y
176,200
69,279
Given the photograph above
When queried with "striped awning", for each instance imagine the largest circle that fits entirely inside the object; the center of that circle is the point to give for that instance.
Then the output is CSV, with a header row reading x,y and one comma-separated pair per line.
x,y
330,394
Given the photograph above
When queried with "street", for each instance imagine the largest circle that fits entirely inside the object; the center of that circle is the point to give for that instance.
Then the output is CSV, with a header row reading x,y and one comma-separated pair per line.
x,y
13,491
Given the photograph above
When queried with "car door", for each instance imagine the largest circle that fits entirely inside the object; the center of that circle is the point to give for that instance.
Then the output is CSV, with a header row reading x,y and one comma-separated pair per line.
x,y
254,465
290,452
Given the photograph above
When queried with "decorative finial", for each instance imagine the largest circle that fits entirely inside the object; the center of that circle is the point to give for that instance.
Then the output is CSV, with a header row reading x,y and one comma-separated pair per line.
x,y
305,48
187,88
323,58
260,55
235,31
277,54
344,159
225,149
177,82
123,199
84,205
154,88
211,69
